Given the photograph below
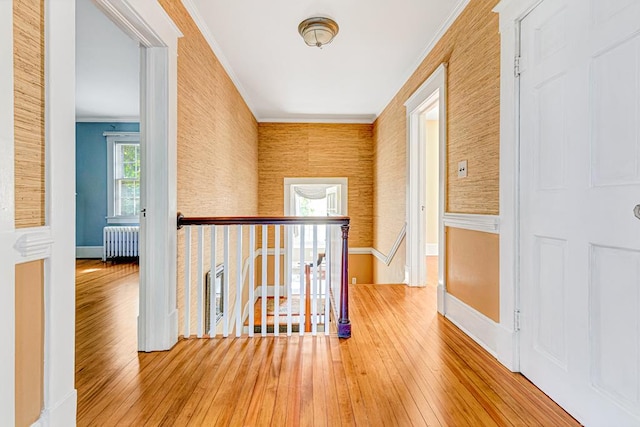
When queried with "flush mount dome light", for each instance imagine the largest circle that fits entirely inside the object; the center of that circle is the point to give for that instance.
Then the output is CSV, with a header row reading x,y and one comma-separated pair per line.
x,y
318,31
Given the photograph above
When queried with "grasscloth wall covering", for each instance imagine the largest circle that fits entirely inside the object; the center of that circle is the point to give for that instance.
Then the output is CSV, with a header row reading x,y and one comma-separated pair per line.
x,y
217,135
308,150
28,68
471,47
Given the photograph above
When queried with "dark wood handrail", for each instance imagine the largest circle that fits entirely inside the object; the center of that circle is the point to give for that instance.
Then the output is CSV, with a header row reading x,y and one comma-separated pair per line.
x,y
262,220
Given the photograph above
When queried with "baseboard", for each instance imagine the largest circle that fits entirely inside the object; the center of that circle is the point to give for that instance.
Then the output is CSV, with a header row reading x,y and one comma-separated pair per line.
x,y
173,328
61,414
431,249
89,252
479,327
441,296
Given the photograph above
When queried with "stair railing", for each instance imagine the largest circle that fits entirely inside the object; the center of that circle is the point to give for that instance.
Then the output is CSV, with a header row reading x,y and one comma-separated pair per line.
x,y
328,283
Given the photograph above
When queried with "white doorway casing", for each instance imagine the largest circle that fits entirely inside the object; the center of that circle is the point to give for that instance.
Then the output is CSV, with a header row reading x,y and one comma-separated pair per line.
x,y
54,243
431,91
148,23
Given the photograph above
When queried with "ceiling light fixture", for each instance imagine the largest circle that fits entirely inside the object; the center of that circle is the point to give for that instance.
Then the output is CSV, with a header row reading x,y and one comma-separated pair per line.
x,y
318,31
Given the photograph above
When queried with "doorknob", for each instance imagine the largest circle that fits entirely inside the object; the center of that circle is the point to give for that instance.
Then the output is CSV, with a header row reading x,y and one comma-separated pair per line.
x,y
636,211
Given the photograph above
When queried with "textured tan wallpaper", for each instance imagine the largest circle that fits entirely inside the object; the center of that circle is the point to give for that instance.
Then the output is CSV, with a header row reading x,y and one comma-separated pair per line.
x,y
319,150
28,68
471,47
217,137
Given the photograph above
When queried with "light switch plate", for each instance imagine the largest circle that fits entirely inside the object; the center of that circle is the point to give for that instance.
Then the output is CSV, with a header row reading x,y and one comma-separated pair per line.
x,y
462,169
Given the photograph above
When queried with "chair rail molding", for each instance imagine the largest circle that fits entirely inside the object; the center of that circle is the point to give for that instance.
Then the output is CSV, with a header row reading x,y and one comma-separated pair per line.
x,y
473,222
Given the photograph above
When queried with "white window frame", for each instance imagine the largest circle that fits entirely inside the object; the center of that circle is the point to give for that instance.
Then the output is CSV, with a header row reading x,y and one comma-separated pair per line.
x,y
288,197
114,138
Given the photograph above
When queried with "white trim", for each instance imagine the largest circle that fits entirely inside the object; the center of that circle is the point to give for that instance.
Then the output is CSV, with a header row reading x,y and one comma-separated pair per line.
x,y
33,244
433,90
431,249
113,138
462,4
130,220
341,181
61,414
107,119
330,119
386,259
511,12
148,23
59,274
483,223
89,252
360,251
201,23
479,327
122,136
7,210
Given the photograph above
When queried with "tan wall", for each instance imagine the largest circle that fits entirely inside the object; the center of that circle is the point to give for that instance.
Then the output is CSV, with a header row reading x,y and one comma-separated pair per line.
x,y
361,267
29,342
217,137
433,167
28,67
319,150
471,47
473,273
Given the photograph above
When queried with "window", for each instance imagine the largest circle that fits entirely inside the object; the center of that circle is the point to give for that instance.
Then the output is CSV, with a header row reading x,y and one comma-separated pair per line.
x,y
123,177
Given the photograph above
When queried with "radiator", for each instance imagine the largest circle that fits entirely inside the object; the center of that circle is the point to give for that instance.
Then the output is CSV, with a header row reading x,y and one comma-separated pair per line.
x,y
120,242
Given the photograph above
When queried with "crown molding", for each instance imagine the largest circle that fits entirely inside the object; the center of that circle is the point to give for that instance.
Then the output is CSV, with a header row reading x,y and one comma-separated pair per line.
x,y
329,119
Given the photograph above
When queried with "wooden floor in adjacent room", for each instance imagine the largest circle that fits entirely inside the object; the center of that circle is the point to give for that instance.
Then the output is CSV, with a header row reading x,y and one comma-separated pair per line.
x,y
404,365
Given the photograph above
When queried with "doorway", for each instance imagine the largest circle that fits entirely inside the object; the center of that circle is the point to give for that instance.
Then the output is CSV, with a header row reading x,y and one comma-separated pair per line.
x,y
432,196
426,163
310,197
150,26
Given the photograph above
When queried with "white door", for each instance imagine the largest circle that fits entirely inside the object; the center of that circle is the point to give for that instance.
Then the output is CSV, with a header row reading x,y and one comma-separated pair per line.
x,y
580,181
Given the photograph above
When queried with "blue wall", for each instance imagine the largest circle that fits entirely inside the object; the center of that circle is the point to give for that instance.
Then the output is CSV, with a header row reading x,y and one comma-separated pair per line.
x,y
91,179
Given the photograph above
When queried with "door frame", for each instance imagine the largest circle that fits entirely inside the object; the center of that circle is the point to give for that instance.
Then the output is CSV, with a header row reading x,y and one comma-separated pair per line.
x,y
434,88
54,242
511,13
148,23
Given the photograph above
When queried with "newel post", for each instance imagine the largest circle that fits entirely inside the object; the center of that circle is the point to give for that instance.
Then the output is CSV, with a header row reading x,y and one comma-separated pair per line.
x,y
344,324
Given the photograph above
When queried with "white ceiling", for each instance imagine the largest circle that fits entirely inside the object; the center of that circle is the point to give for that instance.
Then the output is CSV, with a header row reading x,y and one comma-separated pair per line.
x,y
380,44
107,68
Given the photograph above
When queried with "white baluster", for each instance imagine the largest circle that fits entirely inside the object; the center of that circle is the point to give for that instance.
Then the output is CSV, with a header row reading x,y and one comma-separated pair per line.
x,y
252,279
187,282
327,279
303,283
289,278
276,289
314,284
199,313
225,293
212,285
239,282
265,258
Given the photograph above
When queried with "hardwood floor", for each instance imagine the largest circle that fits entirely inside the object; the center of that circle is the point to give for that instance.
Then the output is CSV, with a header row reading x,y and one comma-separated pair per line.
x,y
404,365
